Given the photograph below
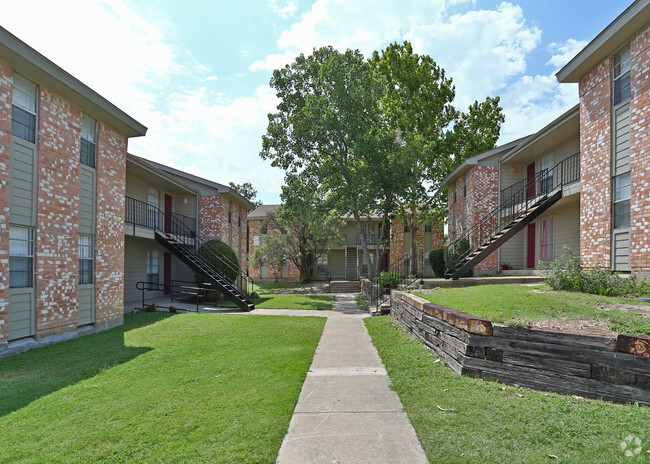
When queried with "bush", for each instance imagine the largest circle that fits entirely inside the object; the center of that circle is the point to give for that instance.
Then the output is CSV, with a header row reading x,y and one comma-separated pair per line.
x,y
173,309
567,273
208,250
455,251
388,279
437,261
150,308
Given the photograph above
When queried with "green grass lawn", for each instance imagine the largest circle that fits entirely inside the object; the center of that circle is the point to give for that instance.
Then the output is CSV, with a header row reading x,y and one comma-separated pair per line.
x,y
286,301
162,388
493,423
505,303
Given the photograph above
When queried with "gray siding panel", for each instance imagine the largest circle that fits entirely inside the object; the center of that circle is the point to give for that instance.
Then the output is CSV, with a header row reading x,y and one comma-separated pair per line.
x,y
135,268
621,254
87,189
22,313
622,139
22,184
86,304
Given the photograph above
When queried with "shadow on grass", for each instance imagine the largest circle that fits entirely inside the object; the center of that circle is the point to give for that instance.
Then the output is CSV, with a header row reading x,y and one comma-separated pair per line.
x,y
287,301
28,376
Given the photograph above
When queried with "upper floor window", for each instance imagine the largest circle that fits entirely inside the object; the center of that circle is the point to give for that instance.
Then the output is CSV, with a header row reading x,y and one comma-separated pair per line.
x,y
21,256
622,76
464,186
23,110
86,256
622,192
427,227
88,141
263,230
230,213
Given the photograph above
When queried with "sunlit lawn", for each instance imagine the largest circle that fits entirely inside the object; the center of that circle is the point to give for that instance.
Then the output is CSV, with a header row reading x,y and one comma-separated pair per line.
x,y
161,388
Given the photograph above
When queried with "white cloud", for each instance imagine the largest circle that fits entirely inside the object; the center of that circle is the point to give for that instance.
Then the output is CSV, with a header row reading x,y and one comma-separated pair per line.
x,y
566,51
286,10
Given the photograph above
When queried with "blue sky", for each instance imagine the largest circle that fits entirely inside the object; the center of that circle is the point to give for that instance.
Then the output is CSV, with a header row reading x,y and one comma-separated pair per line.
x,y
196,72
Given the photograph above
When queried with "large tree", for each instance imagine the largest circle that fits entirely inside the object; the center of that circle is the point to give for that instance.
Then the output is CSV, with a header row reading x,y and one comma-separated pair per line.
x,y
310,228
327,126
432,135
247,191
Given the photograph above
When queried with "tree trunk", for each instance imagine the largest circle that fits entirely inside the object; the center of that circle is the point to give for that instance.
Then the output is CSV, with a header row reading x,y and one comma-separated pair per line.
x,y
413,248
364,245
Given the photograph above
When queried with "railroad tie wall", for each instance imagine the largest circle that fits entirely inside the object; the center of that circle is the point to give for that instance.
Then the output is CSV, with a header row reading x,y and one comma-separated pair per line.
x,y
612,368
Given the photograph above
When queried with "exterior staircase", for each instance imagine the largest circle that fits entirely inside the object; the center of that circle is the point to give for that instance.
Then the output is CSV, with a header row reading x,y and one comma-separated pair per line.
x,y
522,204
351,263
345,286
174,234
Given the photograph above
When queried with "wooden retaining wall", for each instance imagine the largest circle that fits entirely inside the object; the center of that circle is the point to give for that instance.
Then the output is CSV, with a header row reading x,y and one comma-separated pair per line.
x,y
614,368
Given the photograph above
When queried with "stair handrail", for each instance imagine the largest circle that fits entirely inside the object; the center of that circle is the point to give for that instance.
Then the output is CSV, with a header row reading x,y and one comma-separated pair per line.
x,y
148,215
399,270
544,183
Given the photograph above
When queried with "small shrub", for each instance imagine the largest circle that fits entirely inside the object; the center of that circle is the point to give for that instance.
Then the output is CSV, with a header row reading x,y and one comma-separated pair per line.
x,y
150,308
173,309
210,251
456,251
437,261
388,280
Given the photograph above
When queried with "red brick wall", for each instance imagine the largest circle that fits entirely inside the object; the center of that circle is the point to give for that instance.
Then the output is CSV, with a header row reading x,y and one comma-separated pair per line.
x,y
482,198
57,219
397,246
595,165
254,230
213,222
396,240
109,238
6,80
640,152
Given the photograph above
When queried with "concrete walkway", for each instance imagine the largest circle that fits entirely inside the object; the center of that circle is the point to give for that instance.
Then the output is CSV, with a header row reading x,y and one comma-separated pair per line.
x,y
346,412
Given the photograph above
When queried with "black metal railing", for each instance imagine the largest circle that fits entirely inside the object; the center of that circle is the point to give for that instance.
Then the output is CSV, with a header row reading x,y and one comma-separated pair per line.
x,y
145,215
401,274
514,201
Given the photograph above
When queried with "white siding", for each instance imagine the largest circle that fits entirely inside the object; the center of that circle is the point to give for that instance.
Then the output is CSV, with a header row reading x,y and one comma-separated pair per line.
x,y
22,313
86,200
22,183
135,268
86,304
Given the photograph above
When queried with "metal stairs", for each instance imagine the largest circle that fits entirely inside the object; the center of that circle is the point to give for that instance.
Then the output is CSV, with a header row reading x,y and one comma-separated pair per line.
x,y
351,263
498,239
520,204
194,260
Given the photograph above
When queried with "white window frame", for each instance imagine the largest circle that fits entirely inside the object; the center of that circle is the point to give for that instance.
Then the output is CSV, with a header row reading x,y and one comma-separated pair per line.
x,y
546,243
29,90
90,137
86,254
621,71
153,269
18,251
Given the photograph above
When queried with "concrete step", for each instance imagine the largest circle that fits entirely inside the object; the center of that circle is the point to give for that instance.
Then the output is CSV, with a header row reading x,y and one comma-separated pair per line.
x,y
345,286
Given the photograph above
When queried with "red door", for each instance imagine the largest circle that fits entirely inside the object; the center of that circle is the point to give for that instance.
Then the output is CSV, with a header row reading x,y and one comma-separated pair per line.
x,y
530,255
530,176
168,212
167,273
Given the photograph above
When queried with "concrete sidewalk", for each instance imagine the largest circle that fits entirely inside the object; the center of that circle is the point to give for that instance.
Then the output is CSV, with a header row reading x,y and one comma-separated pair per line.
x,y
346,412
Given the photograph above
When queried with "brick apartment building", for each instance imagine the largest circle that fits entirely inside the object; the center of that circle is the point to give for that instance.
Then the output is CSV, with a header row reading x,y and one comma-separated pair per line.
x,y
62,166
346,262
581,181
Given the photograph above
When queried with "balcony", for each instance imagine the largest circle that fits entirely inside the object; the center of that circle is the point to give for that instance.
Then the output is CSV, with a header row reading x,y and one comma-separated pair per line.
x,y
141,219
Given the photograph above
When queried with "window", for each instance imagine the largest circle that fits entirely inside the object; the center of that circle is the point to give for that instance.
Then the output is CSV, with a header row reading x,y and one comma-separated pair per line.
x,y
21,256
86,257
407,229
23,110
263,230
547,240
153,272
230,213
622,191
88,140
464,186
622,76
427,227
321,265
547,169
455,195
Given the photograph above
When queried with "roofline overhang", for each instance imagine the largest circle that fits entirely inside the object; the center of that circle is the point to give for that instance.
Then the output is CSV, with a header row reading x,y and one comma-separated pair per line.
x,y
37,68
546,130
619,31
144,164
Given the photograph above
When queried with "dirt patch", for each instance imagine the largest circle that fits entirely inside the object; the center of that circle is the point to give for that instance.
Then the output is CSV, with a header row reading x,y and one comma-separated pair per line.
x,y
624,307
572,326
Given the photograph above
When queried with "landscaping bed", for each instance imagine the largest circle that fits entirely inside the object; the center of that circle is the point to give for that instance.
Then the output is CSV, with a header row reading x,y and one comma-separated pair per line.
x,y
466,420
160,388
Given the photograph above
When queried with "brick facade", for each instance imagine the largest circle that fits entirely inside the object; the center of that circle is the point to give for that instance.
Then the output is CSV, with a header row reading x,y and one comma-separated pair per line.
x,y
482,198
398,248
640,153
255,230
6,80
109,238
595,165
214,223
57,220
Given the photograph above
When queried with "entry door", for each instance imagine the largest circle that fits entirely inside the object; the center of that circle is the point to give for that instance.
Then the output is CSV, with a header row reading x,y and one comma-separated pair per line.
x,y
167,273
168,213
530,176
530,255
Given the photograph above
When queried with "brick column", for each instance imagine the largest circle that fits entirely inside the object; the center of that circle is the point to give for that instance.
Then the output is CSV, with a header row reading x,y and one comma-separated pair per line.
x,y
213,218
396,240
6,82
109,236
483,197
595,165
640,153
254,230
